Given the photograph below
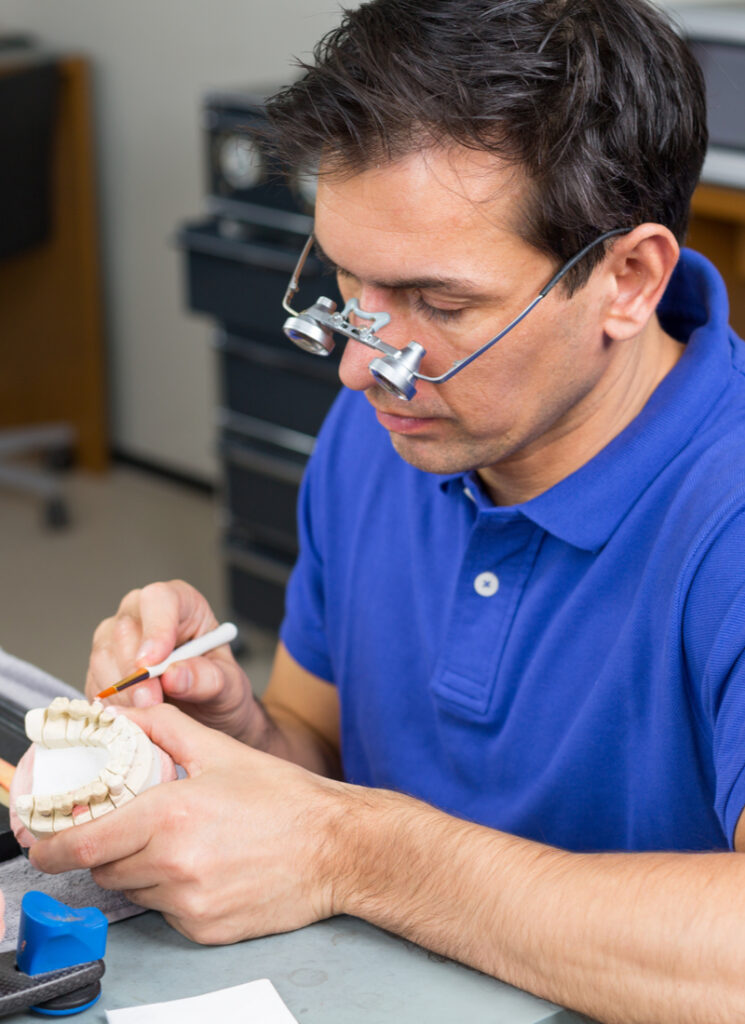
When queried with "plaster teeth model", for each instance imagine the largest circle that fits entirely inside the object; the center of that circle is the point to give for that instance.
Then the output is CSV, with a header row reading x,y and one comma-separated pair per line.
x,y
87,761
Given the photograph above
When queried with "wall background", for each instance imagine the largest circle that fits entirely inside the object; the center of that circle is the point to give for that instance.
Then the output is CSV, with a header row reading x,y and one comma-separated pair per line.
x,y
153,60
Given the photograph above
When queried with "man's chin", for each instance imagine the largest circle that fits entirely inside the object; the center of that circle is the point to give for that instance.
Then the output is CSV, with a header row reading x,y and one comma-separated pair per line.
x,y
432,456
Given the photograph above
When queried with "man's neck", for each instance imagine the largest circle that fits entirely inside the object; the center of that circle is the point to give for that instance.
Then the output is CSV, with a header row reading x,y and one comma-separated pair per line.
x,y
614,402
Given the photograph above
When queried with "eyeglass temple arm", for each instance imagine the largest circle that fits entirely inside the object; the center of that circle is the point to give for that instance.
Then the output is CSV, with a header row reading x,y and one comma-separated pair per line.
x,y
293,286
365,335
562,272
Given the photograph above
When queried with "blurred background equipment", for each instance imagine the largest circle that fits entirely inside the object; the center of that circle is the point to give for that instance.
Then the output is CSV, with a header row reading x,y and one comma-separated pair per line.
x,y
28,109
152,516
273,397
50,331
152,70
717,36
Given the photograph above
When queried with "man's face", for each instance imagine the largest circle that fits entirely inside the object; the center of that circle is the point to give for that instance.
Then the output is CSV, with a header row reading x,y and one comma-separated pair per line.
x,y
432,240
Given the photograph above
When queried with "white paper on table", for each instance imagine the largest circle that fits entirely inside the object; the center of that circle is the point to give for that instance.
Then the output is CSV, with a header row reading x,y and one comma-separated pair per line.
x,y
257,1002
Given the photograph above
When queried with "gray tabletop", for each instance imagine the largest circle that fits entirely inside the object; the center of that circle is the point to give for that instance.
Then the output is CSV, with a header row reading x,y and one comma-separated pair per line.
x,y
335,972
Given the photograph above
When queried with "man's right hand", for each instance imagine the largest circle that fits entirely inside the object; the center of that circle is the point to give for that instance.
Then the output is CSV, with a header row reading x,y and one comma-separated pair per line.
x,y
148,625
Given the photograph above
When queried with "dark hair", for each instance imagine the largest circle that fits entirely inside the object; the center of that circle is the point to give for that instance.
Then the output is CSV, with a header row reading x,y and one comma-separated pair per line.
x,y
600,101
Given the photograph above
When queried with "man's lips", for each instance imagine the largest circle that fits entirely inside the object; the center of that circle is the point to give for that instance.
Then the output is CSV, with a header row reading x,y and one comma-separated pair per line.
x,y
404,424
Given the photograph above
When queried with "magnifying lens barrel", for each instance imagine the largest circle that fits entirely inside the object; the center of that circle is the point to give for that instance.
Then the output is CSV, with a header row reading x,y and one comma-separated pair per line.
x,y
395,371
307,331
308,334
396,374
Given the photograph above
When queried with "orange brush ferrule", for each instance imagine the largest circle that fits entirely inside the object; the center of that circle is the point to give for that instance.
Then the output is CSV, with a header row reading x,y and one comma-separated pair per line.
x,y
136,677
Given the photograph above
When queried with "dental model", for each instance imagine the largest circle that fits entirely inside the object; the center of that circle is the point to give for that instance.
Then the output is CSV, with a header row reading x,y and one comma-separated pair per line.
x,y
87,761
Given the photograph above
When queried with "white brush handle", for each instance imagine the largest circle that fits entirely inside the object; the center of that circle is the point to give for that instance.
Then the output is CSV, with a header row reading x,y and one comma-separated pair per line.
x,y
200,645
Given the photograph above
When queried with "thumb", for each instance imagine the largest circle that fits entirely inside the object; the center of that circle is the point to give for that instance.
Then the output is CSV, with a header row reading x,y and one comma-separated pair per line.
x,y
195,679
189,743
171,613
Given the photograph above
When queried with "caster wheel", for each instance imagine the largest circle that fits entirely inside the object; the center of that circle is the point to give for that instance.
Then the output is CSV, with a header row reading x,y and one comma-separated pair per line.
x,y
60,458
56,514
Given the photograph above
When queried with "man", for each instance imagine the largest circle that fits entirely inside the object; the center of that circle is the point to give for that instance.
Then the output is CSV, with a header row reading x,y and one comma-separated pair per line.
x,y
517,618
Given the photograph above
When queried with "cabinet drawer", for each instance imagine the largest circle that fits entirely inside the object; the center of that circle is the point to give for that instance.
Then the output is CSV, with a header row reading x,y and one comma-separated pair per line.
x,y
287,387
256,578
261,491
242,281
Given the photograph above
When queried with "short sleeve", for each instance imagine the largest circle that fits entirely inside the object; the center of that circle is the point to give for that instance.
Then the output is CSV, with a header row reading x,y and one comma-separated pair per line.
x,y
303,629
714,640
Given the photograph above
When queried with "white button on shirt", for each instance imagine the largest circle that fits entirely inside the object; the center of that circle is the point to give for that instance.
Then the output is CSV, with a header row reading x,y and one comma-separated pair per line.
x,y
486,584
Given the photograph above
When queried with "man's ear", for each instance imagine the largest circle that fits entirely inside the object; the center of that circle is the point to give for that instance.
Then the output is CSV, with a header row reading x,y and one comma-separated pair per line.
x,y
640,264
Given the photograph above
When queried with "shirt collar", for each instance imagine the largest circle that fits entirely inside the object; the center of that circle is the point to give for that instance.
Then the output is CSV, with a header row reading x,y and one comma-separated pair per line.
x,y
586,507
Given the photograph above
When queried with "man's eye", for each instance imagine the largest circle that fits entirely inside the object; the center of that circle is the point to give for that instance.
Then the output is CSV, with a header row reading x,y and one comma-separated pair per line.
x,y
435,312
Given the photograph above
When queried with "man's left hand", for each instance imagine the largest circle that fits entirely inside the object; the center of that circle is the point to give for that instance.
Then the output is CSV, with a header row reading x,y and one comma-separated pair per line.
x,y
241,847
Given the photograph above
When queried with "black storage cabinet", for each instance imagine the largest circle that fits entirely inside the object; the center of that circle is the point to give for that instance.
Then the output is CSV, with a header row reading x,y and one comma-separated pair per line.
x,y
273,396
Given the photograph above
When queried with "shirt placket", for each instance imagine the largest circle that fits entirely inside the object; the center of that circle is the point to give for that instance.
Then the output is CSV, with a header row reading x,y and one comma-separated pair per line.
x,y
495,568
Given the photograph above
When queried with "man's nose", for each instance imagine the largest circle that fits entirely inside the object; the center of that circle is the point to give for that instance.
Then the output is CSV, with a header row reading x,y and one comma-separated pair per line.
x,y
354,368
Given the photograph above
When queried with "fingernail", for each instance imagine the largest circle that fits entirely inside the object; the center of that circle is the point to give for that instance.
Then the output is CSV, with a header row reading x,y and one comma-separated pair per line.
x,y
142,698
179,681
145,653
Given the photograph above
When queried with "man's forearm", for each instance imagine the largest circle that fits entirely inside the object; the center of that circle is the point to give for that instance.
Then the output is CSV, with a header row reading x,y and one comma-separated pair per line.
x,y
621,937
285,735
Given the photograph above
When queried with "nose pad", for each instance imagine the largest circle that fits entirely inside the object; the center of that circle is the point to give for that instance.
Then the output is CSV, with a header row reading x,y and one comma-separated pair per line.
x,y
354,367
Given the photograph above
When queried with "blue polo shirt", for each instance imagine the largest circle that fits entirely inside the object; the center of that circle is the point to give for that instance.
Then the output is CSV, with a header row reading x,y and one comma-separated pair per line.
x,y
569,669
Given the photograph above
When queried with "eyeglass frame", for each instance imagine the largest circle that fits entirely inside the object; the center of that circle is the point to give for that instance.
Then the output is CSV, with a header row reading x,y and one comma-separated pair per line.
x,y
322,319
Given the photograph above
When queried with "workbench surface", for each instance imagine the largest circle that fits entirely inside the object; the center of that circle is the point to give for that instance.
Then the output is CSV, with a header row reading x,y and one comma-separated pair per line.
x,y
336,972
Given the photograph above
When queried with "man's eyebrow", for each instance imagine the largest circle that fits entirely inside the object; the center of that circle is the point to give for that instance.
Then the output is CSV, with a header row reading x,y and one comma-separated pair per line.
x,y
456,285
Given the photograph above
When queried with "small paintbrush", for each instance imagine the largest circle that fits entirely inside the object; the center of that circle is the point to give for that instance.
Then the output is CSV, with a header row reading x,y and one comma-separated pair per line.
x,y
200,645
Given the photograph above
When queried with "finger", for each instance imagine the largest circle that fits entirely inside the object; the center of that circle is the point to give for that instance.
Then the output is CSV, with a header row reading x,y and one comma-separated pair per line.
x,y
107,667
22,834
116,835
196,679
128,874
172,613
146,694
157,897
102,668
115,644
122,633
125,640
149,897
130,603
160,866
192,745
167,765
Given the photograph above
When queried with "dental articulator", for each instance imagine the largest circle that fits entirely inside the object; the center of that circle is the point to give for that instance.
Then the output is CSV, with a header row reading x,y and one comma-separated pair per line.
x,y
87,758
